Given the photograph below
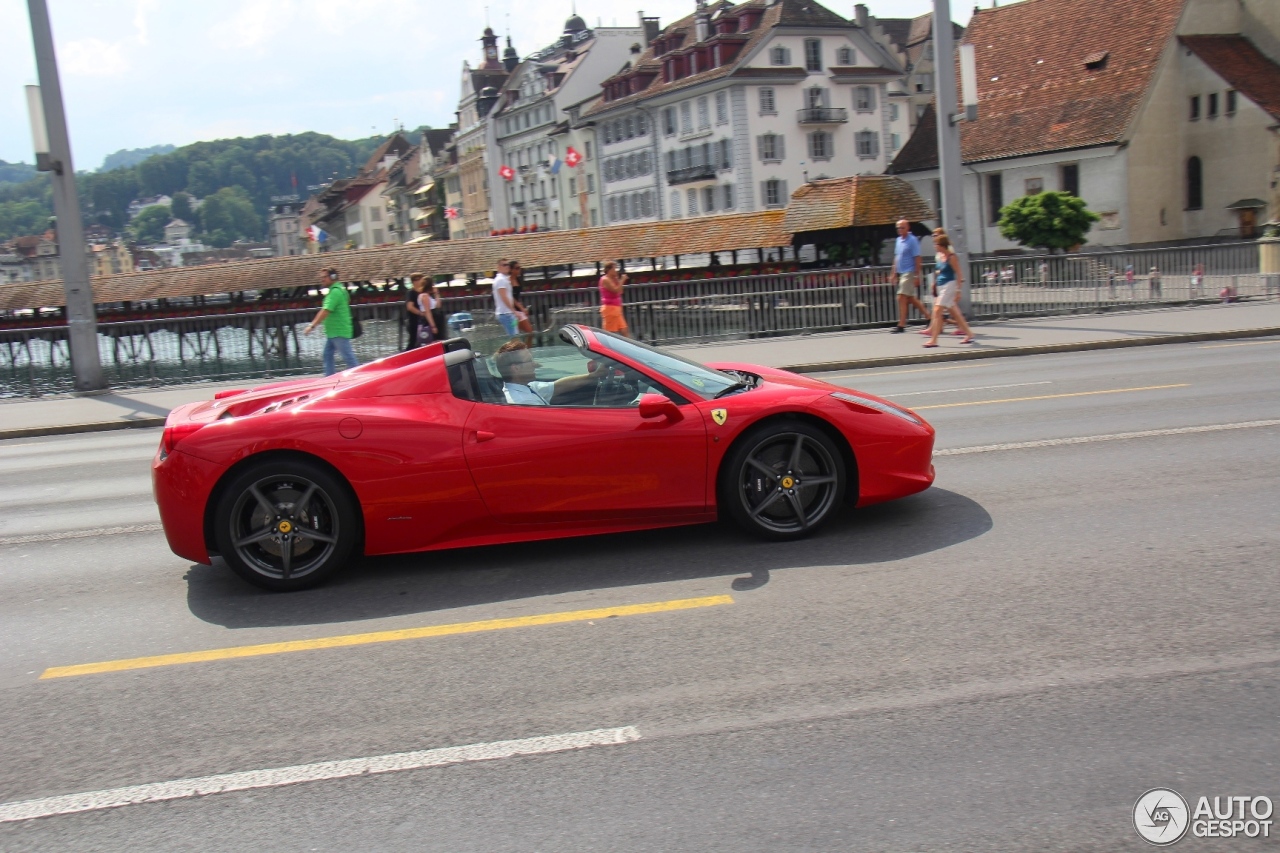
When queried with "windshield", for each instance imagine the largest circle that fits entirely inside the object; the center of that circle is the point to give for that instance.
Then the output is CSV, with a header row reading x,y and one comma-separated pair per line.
x,y
698,378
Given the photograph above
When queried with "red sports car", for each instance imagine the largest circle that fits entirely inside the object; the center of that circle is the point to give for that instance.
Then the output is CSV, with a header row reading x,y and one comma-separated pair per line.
x,y
442,447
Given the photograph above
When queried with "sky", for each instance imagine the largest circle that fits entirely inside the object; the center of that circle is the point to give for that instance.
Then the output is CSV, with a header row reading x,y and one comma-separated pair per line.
x,y
137,73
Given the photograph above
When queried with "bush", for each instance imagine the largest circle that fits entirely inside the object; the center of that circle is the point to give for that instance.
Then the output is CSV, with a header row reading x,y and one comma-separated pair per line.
x,y
1049,220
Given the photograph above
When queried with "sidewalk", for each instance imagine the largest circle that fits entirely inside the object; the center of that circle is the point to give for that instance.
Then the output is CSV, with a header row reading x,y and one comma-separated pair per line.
x,y
804,353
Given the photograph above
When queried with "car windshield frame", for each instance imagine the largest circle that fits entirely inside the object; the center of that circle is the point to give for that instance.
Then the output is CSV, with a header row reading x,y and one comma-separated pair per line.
x,y
697,379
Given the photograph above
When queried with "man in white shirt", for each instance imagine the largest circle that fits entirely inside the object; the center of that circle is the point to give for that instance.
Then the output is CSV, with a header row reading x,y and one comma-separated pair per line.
x,y
517,368
504,304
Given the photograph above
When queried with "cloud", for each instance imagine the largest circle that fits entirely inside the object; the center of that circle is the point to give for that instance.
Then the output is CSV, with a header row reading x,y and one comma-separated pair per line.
x,y
141,30
93,57
255,24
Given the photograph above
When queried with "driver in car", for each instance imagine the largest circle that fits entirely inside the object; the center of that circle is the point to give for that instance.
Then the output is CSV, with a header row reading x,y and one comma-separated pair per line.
x,y
516,367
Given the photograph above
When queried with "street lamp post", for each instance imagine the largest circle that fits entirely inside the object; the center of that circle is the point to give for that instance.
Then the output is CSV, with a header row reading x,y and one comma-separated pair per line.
x,y
949,162
53,154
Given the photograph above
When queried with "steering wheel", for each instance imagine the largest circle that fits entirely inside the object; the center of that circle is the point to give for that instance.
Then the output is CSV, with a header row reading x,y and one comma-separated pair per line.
x,y
617,387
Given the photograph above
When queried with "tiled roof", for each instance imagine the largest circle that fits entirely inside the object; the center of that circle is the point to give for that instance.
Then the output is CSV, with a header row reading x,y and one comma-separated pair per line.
x,y
1235,59
783,13
921,150
854,202
1035,92
763,229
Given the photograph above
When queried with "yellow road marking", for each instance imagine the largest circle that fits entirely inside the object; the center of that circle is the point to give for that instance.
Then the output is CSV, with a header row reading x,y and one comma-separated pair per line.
x,y
1049,396
384,636
1246,344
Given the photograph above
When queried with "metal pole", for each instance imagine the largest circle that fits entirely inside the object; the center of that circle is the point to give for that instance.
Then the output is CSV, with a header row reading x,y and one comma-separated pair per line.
x,y
949,164
82,327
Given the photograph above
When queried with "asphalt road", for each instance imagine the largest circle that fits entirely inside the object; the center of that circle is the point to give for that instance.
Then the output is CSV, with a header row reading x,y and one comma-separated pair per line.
x,y
1004,662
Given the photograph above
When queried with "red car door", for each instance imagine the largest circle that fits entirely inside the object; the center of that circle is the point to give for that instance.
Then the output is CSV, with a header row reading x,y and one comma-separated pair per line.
x,y
547,464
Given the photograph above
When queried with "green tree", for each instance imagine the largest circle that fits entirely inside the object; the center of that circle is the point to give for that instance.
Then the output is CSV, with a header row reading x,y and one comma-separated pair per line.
x,y
182,208
1049,220
148,225
228,215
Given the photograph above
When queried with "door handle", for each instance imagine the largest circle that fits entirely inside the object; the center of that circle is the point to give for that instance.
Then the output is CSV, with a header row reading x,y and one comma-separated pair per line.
x,y
484,435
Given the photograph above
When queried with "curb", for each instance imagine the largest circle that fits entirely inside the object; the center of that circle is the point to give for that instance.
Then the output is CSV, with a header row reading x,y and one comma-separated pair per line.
x,y
1043,349
72,429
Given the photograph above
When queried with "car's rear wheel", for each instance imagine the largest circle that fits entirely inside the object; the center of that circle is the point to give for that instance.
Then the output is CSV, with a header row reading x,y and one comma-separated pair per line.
x,y
285,524
783,480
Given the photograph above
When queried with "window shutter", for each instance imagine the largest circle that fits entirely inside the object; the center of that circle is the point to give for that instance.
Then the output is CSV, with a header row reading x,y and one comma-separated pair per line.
x,y
871,97
764,193
783,198
760,146
779,147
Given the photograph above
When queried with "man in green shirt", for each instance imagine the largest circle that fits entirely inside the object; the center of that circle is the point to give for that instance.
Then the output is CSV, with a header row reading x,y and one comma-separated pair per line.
x,y
336,316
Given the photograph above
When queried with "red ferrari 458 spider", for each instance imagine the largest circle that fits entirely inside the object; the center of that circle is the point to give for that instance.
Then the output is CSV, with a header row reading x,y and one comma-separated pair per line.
x,y
442,447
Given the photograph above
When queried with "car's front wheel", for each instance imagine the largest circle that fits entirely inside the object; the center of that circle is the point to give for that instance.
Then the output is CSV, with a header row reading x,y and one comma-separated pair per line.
x,y
285,524
783,480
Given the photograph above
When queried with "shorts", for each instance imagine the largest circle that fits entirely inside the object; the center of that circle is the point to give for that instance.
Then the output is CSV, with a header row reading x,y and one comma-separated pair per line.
x,y
947,294
510,322
611,318
907,284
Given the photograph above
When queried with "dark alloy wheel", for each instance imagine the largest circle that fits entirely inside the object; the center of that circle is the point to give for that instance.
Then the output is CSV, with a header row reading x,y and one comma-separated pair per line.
x,y
285,524
783,480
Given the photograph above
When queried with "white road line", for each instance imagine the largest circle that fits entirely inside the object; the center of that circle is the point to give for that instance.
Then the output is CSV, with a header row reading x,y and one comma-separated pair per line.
x,y
973,388
274,778
80,534
859,373
1089,439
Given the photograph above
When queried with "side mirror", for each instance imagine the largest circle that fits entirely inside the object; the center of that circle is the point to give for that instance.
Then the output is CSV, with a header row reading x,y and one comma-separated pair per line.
x,y
658,406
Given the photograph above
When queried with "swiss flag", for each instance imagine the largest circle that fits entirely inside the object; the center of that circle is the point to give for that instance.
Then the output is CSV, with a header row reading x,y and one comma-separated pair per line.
x,y
507,173
572,157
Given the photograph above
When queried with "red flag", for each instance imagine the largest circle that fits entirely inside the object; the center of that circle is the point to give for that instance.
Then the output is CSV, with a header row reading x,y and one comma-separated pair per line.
x,y
507,173
572,157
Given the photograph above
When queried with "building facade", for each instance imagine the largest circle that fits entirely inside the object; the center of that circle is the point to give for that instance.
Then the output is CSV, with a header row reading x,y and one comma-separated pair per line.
x,y
284,225
735,106
1163,115
533,132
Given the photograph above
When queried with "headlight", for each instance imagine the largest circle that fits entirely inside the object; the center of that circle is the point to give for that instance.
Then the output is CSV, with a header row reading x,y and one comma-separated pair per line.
x,y
887,408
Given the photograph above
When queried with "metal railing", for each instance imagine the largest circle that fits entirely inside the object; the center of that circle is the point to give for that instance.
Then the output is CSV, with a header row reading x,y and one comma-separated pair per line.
x,y
685,174
822,115
267,344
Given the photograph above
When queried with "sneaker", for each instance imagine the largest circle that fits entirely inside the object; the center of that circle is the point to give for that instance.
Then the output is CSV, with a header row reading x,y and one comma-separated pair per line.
x,y
897,330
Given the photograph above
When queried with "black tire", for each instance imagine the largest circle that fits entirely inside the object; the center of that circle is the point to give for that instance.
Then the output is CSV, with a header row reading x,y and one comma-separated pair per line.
x,y
782,480
286,524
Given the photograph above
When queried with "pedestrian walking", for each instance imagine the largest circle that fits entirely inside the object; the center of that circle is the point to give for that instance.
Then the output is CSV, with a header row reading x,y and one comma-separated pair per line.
x,y
611,316
908,267
949,281
517,289
1129,280
1111,283
429,327
441,323
335,313
1155,287
504,301
413,314
1197,281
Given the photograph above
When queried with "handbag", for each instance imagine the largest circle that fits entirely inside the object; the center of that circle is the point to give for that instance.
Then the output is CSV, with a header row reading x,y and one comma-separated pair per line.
x,y
424,334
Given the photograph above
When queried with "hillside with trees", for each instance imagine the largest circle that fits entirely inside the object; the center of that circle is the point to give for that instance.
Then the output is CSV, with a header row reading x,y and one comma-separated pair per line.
x,y
126,157
238,176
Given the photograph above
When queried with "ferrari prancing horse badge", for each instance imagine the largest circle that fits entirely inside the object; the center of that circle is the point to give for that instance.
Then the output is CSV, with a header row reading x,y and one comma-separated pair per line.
x,y
719,416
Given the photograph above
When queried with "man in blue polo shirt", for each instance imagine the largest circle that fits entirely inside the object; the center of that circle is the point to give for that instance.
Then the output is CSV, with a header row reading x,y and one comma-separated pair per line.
x,y
907,266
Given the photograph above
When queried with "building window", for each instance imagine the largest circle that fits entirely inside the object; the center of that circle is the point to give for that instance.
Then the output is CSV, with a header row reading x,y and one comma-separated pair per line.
x,y
1211,107
774,192
708,199
1071,179
779,56
771,147
722,107
995,197
591,183
1195,185
868,144
1033,186
573,186
691,196
864,99
846,56
895,141
608,133
675,204
1232,95
893,112
768,106
820,145
704,114
631,127
669,121
726,199
595,217
726,153
1194,114
812,55
815,97
686,117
